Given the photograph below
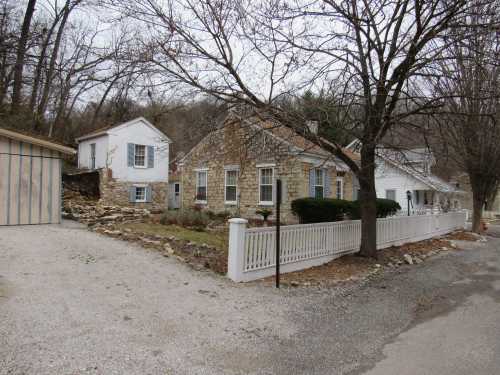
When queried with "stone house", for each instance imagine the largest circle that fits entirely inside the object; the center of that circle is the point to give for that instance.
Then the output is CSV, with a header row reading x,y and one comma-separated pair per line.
x,y
132,161
234,169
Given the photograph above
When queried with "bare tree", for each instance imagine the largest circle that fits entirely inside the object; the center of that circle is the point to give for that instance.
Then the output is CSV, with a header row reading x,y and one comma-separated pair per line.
x,y
21,52
369,54
69,6
469,82
8,45
46,36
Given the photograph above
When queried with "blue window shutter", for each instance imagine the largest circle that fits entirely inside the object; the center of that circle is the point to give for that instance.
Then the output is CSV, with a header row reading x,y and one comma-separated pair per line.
x,y
151,156
130,154
131,194
328,184
149,194
311,183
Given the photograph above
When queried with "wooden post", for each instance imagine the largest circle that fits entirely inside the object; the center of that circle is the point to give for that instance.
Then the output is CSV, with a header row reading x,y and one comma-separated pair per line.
x,y
278,204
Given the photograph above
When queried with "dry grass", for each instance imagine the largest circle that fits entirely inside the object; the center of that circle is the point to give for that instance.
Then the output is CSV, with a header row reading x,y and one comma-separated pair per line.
x,y
219,239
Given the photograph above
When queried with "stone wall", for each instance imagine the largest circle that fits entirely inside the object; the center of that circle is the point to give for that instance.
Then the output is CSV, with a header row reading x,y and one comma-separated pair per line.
x,y
116,193
348,185
229,148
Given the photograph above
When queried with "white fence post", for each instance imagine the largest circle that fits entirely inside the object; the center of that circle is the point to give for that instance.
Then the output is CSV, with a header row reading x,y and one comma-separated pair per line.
x,y
236,251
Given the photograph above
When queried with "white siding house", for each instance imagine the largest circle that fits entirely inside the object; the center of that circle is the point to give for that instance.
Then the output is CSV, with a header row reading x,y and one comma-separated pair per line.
x,y
399,173
135,157
402,173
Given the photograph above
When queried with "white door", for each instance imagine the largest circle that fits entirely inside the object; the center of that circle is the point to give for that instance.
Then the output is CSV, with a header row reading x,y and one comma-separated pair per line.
x,y
174,196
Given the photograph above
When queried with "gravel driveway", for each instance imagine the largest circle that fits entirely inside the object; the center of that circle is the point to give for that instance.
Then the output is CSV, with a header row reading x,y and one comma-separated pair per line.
x,y
74,302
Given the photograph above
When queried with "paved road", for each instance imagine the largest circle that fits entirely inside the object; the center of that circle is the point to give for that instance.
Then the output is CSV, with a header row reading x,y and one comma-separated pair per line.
x,y
74,302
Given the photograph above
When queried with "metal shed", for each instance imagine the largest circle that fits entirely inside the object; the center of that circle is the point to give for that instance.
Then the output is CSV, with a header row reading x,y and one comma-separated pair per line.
x,y
30,179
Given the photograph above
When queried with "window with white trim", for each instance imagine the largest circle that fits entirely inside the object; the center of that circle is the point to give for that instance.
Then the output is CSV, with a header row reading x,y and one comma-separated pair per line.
x,y
201,186
319,183
140,194
266,177
231,186
139,155
340,188
390,194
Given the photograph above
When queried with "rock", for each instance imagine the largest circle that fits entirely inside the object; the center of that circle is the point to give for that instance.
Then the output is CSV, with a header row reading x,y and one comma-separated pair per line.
x,y
294,283
377,265
418,260
390,264
150,242
111,217
112,232
408,259
168,249
444,248
180,259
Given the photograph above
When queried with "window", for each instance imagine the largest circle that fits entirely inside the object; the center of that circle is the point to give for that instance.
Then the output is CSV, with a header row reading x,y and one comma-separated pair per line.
x,y
390,194
266,176
140,194
92,156
231,180
140,156
319,183
340,188
201,186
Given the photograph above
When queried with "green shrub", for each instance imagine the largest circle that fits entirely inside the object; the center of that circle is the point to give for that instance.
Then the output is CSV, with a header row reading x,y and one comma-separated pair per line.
x,y
185,218
315,210
264,212
385,207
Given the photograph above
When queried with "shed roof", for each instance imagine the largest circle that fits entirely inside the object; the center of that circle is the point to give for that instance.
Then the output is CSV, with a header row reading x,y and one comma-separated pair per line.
x,y
36,140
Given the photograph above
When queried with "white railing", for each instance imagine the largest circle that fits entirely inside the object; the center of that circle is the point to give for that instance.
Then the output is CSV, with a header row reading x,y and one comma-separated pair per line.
x,y
252,251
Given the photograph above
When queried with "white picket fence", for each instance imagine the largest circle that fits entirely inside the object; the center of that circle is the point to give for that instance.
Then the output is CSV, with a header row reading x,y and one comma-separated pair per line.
x,y
252,251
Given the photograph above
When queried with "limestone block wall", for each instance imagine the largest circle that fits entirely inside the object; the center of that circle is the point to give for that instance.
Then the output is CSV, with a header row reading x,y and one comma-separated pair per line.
x,y
224,151
116,193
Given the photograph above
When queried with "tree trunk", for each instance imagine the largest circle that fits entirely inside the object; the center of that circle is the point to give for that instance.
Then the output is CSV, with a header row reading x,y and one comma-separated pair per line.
x,y
368,197
477,212
21,52
40,64
42,106
490,200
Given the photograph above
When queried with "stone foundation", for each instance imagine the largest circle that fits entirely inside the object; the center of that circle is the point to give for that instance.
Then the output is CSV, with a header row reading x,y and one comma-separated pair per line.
x,y
116,193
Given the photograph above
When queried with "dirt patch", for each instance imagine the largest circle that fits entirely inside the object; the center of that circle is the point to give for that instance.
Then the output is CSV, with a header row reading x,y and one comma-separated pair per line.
x,y
463,236
353,267
176,242
208,250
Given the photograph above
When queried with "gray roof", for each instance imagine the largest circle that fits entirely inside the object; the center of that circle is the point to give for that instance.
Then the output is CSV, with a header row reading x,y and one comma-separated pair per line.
x,y
429,179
